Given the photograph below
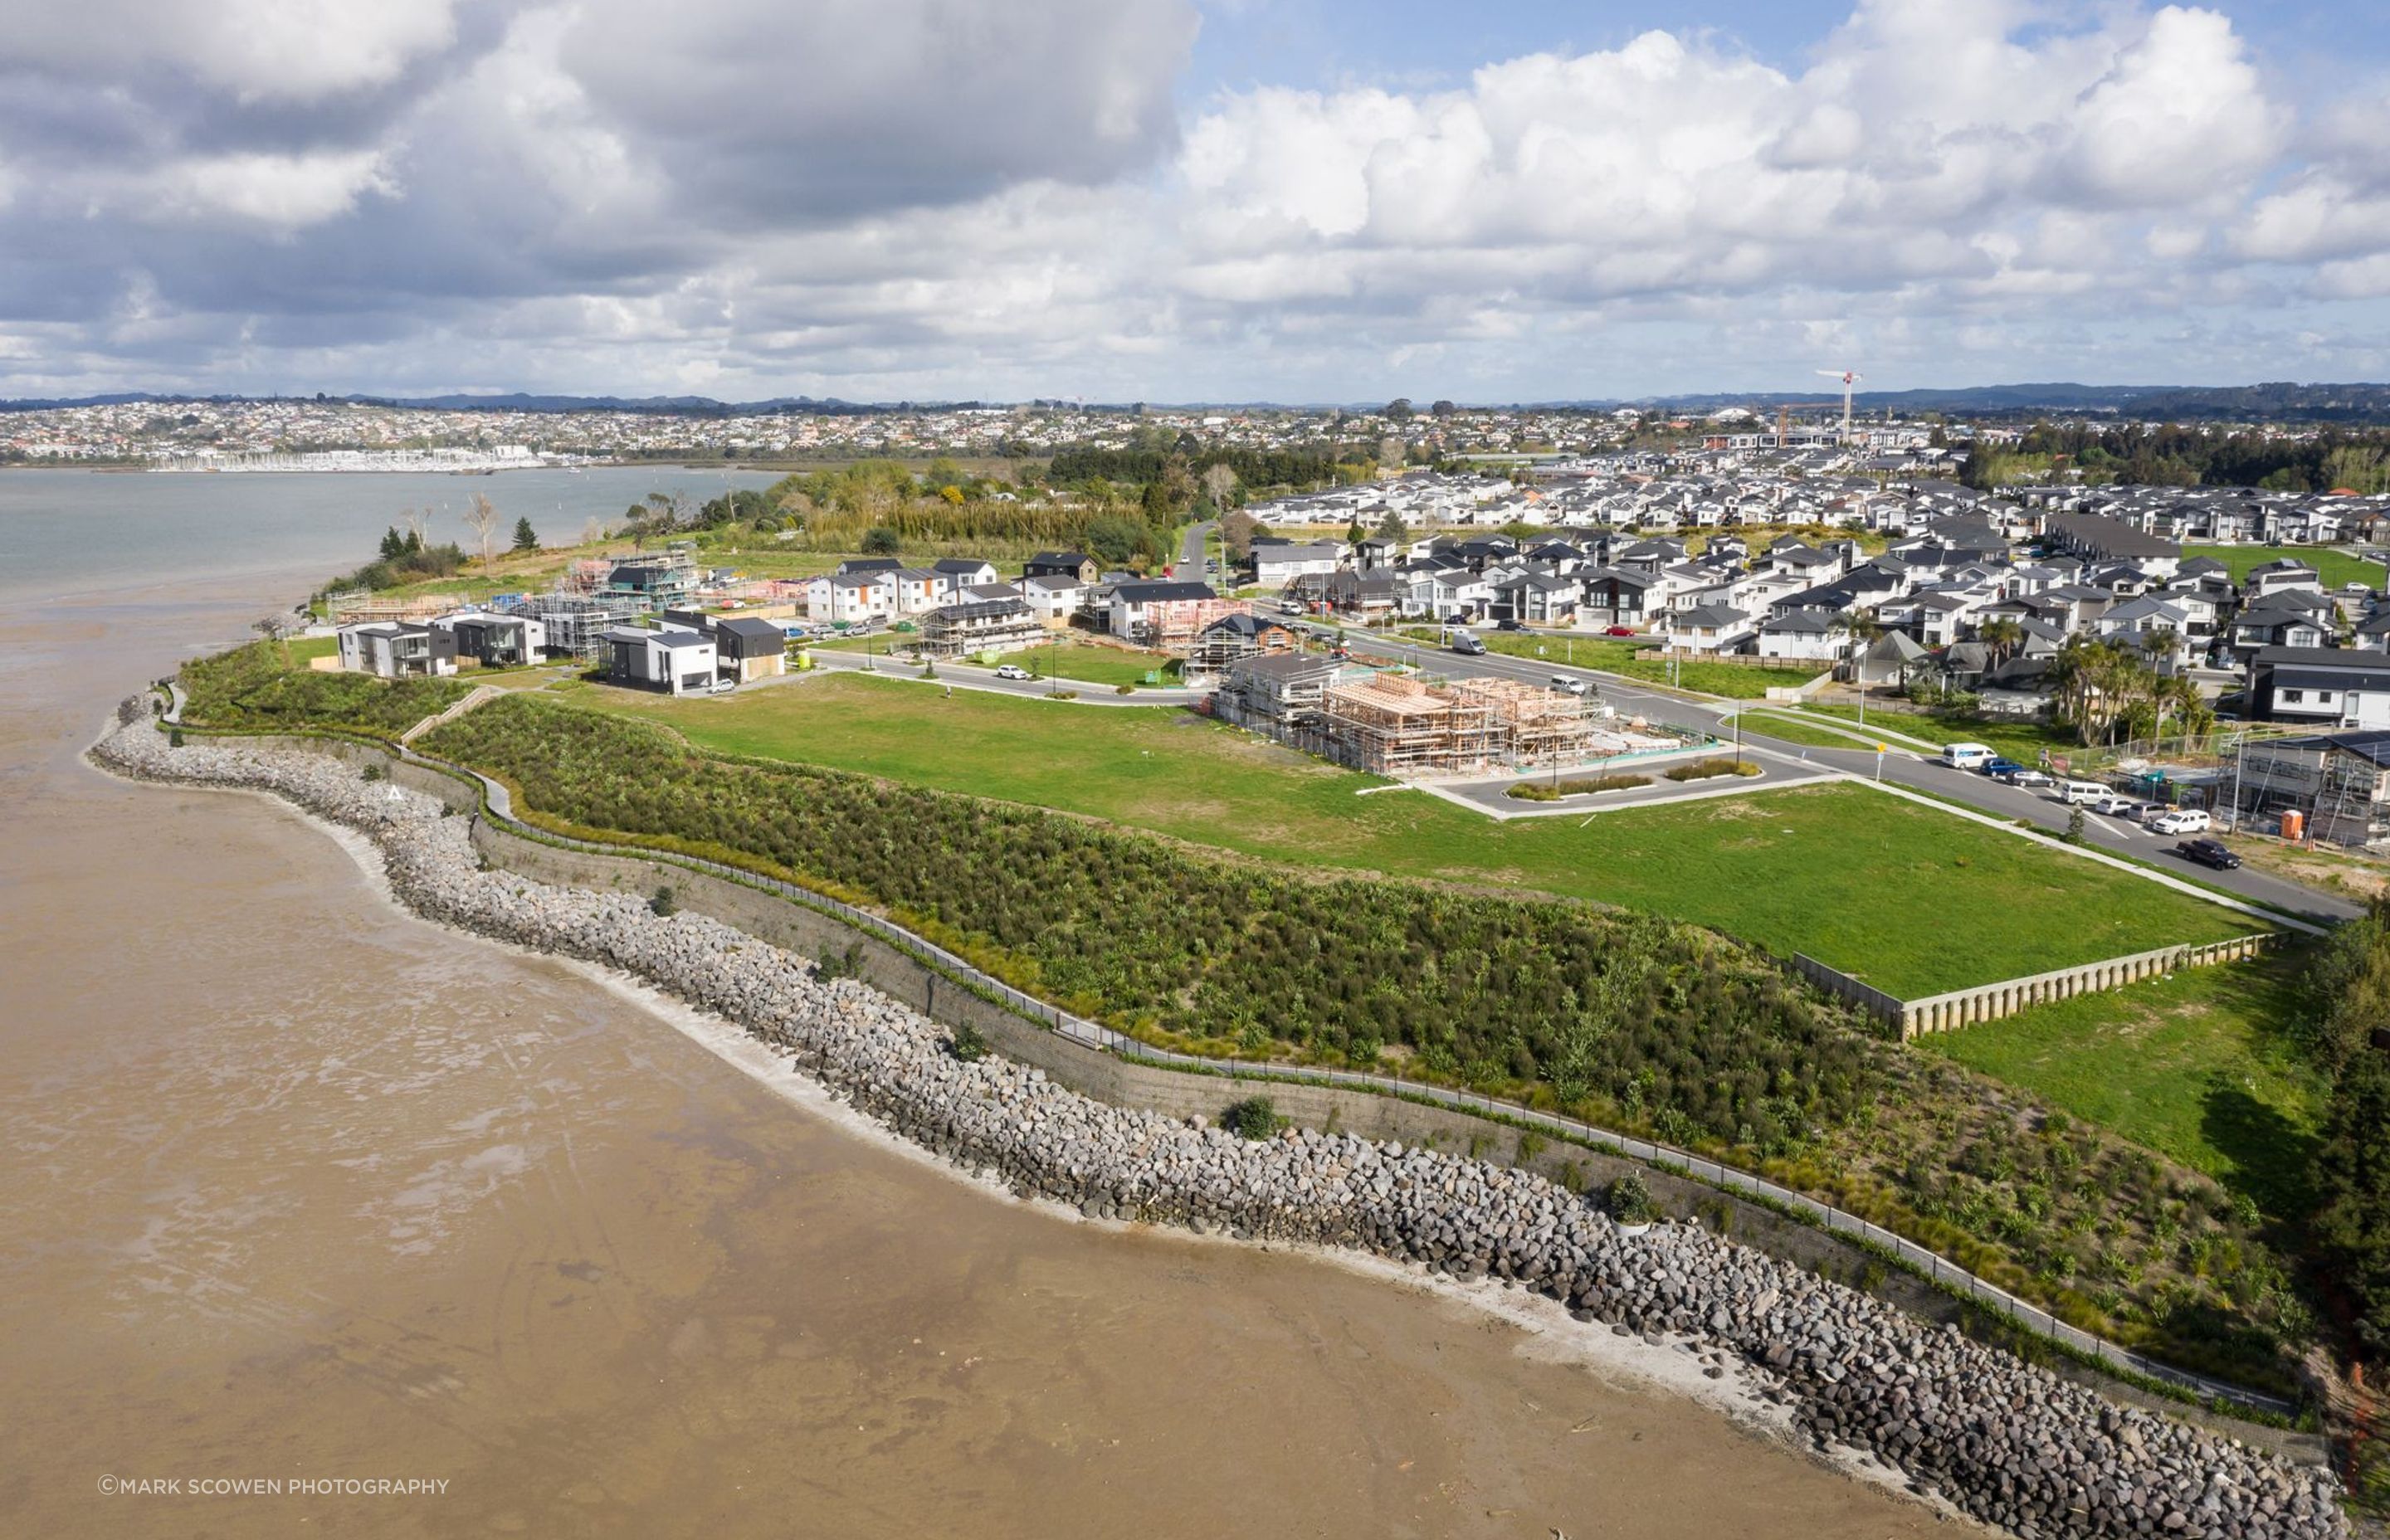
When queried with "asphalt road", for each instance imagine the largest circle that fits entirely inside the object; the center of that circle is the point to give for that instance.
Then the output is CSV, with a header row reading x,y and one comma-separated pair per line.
x,y
1900,766
1192,549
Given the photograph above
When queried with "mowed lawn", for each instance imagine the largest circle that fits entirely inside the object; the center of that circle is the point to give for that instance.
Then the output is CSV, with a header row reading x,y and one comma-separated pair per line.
x,y
1913,900
2194,1067
1616,655
2335,567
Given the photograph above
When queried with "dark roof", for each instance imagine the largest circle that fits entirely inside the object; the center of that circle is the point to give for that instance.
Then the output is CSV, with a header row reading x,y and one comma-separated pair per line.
x,y
751,628
959,564
2104,536
2372,744
1150,590
983,609
2318,657
1246,625
2374,679
869,564
1072,560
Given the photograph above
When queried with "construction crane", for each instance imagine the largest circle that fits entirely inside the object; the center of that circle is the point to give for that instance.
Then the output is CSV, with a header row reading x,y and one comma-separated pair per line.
x,y
1848,379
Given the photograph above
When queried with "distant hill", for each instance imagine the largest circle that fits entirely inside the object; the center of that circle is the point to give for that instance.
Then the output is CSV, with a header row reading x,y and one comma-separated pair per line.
x,y
2275,401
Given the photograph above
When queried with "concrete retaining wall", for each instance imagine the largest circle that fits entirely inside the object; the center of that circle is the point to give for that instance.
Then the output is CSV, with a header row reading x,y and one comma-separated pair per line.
x,y
1990,1002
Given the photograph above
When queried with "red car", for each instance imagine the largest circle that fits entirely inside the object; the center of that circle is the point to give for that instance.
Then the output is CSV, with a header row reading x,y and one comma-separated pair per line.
x,y
1620,631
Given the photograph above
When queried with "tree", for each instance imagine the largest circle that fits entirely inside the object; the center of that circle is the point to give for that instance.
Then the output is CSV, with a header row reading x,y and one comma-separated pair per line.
x,y
526,538
1356,532
1443,409
1399,410
2001,637
882,540
1392,453
482,518
1113,539
1392,528
418,525
1219,481
1238,531
2352,1185
276,629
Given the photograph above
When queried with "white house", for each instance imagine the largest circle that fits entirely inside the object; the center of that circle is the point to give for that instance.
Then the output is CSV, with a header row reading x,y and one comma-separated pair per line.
x,y
1274,566
1053,598
674,659
1804,634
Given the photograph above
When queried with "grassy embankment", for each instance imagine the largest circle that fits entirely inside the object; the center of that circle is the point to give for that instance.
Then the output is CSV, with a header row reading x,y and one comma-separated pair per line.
x,y
1075,662
2112,1238
2195,1066
1839,872
2022,741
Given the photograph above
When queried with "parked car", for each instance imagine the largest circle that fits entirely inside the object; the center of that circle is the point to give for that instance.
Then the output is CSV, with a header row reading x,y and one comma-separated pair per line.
x,y
1966,756
1509,626
1620,631
2026,775
2110,802
2141,811
2081,793
723,686
1998,768
1573,687
2208,853
2176,821
1014,671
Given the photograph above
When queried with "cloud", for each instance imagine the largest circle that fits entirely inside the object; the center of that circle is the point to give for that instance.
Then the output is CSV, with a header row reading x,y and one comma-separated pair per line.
x,y
934,197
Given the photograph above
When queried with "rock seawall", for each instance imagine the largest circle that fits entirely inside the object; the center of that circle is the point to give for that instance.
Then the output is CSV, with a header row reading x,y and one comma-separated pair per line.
x,y
1992,1436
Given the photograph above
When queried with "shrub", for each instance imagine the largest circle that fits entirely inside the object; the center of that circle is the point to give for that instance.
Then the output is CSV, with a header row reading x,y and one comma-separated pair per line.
x,y
1630,1200
966,1044
1124,689
1702,770
373,771
2077,832
1253,1117
663,903
1537,792
175,739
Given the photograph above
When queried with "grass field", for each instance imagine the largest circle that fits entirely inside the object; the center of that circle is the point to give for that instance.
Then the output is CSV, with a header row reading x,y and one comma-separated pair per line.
x,y
2193,1067
1839,872
2022,741
1616,655
2335,567
1081,663
1792,729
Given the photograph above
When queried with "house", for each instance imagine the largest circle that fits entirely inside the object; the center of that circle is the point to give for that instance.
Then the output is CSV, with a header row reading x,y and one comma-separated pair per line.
x,y
1612,596
495,641
2097,537
851,598
677,660
1053,598
1706,628
918,590
1232,638
1802,635
1890,659
1537,598
1158,612
397,649
2273,577
961,573
747,649
866,564
2333,686
1276,564
1077,565
990,625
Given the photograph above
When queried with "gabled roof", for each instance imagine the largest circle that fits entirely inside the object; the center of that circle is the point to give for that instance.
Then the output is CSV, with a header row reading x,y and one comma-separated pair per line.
x,y
1158,590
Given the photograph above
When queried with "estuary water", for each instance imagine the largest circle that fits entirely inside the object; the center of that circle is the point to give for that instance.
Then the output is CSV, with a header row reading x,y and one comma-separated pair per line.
x,y
298,1191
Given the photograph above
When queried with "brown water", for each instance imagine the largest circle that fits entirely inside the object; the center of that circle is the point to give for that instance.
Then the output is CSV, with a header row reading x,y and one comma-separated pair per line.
x,y
298,1187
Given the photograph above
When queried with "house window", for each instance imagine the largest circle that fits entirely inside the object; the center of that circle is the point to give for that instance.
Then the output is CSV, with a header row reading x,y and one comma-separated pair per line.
x,y
2292,697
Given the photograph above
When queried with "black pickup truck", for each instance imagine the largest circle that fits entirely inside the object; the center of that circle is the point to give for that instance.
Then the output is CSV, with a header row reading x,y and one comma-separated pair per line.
x,y
2208,853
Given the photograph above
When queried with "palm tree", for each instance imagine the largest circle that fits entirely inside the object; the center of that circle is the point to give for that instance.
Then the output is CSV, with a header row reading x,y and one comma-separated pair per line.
x,y
2002,637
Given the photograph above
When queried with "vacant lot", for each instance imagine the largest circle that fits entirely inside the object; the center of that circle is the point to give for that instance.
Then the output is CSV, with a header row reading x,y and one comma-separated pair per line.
x,y
2335,567
1616,655
2194,1067
1912,900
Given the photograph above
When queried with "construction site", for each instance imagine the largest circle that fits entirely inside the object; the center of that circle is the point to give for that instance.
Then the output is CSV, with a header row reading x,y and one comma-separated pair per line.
x,y
1409,726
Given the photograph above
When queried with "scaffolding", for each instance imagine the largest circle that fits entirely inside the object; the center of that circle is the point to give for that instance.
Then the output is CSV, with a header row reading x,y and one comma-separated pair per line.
x,y
1532,725
576,624
1392,724
358,606
1172,625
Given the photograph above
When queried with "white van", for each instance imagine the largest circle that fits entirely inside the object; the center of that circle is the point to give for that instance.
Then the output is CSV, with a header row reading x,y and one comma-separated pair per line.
x,y
1965,756
2074,793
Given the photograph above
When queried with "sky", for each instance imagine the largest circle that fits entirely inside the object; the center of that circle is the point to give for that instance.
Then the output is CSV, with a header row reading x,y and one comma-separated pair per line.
x,y
1180,201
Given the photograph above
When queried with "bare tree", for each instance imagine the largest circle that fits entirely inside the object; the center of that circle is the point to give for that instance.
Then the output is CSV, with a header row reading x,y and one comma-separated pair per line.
x,y
482,518
593,529
417,520
1390,452
1219,479
276,629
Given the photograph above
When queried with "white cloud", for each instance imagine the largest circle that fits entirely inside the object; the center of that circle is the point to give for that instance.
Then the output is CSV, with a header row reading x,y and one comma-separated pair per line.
x,y
259,50
279,193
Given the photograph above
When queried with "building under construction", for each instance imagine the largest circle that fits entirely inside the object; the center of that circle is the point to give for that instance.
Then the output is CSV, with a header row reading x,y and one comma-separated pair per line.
x,y
1402,726
576,624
